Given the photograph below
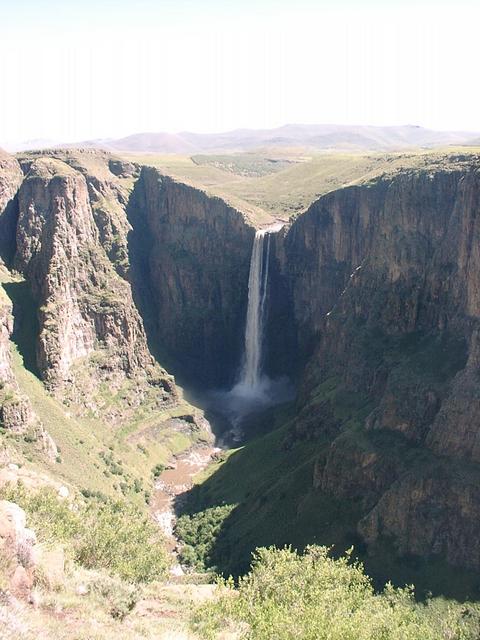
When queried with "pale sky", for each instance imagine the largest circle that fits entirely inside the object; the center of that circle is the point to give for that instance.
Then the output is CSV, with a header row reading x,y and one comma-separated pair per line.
x,y
73,71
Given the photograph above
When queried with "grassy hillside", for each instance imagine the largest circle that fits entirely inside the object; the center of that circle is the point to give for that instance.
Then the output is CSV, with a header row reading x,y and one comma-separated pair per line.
x,y
280,189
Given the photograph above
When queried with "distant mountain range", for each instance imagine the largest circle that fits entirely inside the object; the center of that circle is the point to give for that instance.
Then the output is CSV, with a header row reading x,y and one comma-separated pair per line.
x,y
316,137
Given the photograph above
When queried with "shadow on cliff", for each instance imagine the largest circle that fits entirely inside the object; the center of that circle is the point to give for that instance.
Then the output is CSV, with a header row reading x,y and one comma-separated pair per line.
x,y
140,244
25,323
8,228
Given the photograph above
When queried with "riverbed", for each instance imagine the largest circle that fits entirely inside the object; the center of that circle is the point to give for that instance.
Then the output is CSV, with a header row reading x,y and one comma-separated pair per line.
x,y
173,482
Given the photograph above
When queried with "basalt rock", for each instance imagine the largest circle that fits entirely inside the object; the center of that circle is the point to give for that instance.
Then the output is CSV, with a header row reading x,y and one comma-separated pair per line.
x,y
11,177
192,258
16,413
384,278
72,249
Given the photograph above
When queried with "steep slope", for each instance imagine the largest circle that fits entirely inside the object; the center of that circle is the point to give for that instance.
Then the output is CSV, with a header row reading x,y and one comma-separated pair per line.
x,y
10,178
374,308
192,255
17,417
90,332
396,326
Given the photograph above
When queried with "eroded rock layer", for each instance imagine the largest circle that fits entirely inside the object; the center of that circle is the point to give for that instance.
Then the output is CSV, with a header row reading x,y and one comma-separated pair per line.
x,y
374,306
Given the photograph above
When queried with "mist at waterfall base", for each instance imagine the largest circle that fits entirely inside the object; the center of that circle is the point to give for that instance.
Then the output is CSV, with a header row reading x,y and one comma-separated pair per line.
x,y
240,402
254,390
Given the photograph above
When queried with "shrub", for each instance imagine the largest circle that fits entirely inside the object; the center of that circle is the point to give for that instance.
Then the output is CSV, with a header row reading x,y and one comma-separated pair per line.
x,y
118,596
314,597
198,534
103,533
158,469
49,517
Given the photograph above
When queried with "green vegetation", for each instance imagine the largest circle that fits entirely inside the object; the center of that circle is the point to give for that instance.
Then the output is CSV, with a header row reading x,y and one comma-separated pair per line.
x,y
244,164
315,597
198,534
158,469
277,502
303,177
101,534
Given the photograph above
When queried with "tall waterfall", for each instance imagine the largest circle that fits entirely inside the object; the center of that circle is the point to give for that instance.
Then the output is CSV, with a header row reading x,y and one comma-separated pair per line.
x,y
254,390
257,294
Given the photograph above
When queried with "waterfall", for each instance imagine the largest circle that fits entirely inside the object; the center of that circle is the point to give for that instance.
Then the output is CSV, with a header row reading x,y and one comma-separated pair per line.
x,y
257,294
254,390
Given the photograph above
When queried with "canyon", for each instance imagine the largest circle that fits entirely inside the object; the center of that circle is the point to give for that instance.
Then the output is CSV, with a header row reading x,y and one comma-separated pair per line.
x,y
120,280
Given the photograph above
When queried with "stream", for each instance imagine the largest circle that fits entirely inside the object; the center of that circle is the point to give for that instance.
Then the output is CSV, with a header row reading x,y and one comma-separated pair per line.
x,y
173,482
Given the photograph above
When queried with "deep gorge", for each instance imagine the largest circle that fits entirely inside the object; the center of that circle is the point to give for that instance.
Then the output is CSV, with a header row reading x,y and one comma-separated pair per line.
x,y
372,312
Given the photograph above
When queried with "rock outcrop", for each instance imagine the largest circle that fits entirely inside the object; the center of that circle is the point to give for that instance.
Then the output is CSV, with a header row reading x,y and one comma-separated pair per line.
x,y
16,413
72,249
374,304
11,177
17,550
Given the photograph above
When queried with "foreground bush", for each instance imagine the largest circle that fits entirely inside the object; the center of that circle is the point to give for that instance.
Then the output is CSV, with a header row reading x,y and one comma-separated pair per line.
x,y
108,534
288,596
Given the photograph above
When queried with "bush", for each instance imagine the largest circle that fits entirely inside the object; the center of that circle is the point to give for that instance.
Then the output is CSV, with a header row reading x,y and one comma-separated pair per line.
x,y
198,534
120,538
103,533
287,596
118,596
49,517
158,469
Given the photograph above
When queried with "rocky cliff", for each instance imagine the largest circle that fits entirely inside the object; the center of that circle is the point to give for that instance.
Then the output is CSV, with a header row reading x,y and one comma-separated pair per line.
x,y
384,278
10,178
192,257
71,247
16,413
374,307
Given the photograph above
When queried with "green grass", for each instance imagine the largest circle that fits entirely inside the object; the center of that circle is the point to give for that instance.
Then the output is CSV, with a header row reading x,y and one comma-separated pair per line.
x,y
303,178
278,504
276,501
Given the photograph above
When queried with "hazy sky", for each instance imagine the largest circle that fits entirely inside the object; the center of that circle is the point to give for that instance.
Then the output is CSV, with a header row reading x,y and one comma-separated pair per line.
x,y
77,70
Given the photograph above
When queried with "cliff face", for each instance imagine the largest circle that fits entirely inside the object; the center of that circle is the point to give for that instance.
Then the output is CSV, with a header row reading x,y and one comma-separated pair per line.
x,y
10,178
71,247
385,284
16,412
193,256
